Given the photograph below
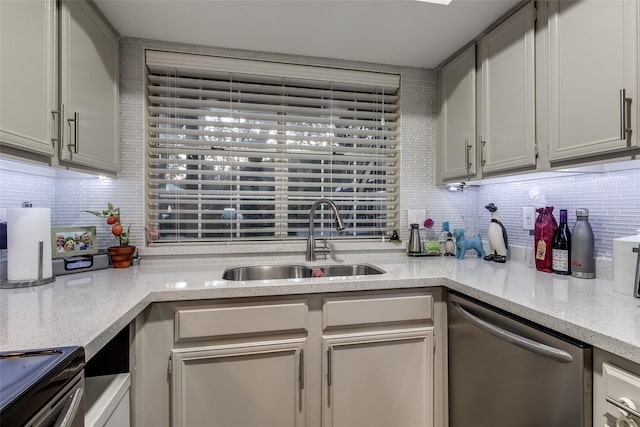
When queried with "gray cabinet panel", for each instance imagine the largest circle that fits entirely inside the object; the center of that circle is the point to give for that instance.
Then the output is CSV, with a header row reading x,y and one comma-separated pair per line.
x,y
88,88
506,106
27,64
589,67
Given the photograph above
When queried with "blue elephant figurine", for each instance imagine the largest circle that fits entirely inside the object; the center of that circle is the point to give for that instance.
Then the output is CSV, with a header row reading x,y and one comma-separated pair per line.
x,y
463,244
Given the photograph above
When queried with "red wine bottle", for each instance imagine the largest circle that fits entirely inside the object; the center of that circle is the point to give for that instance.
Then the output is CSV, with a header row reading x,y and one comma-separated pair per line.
x,y
544,230
561,249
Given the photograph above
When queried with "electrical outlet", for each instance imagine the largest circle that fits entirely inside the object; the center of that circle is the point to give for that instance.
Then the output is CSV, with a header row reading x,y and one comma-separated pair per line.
x,y
528,217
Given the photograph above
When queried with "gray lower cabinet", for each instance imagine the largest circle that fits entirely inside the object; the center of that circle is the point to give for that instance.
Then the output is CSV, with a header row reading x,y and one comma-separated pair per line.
x,y
358,359
379,379
616,391
248,384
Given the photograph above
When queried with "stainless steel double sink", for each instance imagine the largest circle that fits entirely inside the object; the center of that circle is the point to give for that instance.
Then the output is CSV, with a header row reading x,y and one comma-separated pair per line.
x,y
298,271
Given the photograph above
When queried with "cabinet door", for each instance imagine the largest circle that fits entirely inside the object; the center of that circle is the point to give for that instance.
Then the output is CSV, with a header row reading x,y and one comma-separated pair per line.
x,y
258,384
88,88
506,126
457,141
616,385
593,69
27,60
378,379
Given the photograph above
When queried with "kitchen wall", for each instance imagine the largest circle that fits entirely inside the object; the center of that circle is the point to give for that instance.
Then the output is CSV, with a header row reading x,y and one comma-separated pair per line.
x,y
71,195
611,197
418,127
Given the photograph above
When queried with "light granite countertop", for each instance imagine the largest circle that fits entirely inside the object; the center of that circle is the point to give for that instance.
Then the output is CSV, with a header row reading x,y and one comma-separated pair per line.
x,y
89,309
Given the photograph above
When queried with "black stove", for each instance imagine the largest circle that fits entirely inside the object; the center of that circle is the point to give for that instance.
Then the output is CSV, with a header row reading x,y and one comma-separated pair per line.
x,y
29,380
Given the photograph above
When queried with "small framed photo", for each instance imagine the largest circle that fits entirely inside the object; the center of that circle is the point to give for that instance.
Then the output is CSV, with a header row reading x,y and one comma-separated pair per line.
x,y
73,241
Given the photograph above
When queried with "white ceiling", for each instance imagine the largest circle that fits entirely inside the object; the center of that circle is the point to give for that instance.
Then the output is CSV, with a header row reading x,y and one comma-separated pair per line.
x,y
395,32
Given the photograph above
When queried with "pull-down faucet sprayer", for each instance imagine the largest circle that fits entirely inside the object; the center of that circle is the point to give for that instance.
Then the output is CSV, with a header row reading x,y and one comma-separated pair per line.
x,y
311,241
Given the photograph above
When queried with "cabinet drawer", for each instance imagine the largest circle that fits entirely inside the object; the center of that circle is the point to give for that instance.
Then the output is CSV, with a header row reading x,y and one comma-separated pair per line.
x,y
195,323
620,384
343,311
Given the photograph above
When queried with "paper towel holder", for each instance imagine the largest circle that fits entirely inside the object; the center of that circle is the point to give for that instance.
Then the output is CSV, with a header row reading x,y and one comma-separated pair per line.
x,y
11,284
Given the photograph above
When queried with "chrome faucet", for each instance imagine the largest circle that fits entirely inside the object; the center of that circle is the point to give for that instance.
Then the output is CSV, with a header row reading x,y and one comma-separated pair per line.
x,y
311,241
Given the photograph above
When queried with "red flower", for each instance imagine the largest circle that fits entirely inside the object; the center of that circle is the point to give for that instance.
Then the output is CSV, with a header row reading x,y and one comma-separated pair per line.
x,y
428,223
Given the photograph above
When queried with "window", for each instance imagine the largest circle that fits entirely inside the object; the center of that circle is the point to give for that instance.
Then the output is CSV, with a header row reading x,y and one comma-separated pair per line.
x,y
240,149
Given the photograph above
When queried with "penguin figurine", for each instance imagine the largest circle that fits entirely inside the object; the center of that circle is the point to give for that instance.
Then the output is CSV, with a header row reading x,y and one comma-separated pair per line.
x,y
449,246
498,241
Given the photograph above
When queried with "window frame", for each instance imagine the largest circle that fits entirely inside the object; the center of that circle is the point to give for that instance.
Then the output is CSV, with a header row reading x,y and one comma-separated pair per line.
x,y
347,78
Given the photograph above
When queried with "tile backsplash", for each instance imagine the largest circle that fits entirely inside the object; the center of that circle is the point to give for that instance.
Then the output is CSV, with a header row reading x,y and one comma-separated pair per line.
x,y
612,198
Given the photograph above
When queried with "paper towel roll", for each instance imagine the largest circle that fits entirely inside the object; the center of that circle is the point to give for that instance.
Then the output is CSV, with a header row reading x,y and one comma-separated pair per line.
x,y
625,262
26,228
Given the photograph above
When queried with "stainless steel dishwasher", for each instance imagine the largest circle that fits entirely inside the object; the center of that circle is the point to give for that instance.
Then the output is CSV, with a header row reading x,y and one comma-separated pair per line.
x,y
507,372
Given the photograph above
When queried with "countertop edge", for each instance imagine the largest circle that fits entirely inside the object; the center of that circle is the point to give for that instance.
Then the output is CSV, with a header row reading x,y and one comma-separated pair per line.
x,y
90,309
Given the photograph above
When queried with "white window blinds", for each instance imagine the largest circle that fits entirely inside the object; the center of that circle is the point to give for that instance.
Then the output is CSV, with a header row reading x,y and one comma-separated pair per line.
x,y
240,149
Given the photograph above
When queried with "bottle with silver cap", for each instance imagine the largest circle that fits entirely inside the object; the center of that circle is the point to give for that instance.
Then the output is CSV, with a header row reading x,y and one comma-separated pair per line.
x,y
583,262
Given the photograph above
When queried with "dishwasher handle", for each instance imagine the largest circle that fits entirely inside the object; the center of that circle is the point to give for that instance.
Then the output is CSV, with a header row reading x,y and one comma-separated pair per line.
x,y
526,343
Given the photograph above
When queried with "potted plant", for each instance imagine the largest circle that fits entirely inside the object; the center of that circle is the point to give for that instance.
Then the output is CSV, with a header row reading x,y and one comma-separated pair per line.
x,y
121,255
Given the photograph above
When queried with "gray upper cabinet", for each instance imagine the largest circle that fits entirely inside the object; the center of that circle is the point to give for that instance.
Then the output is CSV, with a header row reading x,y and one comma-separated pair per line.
x,y
27,67
59,85
593,78
88,88
550,93
506,101
457,118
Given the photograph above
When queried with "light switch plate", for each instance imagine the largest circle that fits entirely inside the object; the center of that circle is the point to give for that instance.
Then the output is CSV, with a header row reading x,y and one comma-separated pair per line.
x,y
528,217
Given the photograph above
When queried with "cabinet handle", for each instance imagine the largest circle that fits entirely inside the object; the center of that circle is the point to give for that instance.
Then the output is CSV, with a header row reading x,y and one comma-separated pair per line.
x,y
59,119
329,366
622,94
625,116
56,121
329,376
482,160
627,124
467,148
75,120
623,407
301,370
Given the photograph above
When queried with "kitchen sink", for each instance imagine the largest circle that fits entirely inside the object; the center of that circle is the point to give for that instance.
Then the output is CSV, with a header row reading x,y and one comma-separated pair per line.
x,y
298,271
266,272
350,270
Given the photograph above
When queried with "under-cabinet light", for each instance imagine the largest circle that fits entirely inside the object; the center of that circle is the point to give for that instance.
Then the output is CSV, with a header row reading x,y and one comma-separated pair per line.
x,y
456,186
444,2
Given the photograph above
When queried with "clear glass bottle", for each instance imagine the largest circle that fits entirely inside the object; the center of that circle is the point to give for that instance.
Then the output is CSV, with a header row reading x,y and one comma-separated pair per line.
x,y
583,261
529,252
561,247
